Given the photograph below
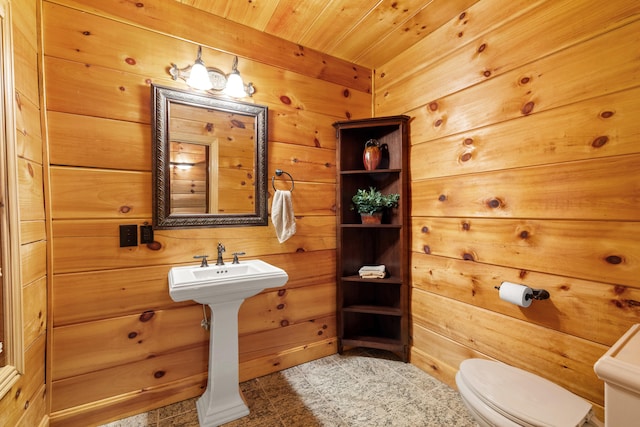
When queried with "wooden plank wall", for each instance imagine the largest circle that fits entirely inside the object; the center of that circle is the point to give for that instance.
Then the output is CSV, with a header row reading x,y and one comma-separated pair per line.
x,y
524,168
119,345
25,404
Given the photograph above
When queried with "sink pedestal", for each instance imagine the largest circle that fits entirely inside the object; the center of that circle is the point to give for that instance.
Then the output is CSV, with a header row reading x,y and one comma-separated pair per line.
x,y
223,288
222,402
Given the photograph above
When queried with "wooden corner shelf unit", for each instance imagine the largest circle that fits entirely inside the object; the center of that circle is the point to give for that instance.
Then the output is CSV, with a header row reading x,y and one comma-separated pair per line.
x,y
373,313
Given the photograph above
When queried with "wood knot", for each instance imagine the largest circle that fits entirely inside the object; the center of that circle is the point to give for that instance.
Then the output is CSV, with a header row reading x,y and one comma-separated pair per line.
x,y
158,374
528,108
154,246
346,93
285,100
132,335
438,123
281,292
482,47
468,141
426,249
280,306
614,259
468,257
284,323
524,234
487,73
617,303
147,315
125,209
466,226
442,198
425,229
600,141
466,157
494,203
433,106
130,61
607,114
238,123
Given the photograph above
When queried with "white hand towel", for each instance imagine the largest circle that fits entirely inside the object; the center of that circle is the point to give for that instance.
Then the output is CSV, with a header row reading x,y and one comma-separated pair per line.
x,y
282,215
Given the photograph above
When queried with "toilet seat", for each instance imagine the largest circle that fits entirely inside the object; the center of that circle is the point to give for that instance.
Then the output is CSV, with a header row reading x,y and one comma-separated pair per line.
x,y
507,396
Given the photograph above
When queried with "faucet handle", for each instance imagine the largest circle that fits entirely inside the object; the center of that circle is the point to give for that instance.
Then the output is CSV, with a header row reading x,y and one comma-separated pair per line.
x,y
235,257
204,260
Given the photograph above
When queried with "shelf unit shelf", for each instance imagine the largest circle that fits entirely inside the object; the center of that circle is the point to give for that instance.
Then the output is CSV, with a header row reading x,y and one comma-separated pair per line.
x,y
373,312
374,309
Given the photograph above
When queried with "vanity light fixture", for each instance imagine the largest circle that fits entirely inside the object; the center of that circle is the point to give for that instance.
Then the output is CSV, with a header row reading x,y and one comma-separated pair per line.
x,y
201,77
182,165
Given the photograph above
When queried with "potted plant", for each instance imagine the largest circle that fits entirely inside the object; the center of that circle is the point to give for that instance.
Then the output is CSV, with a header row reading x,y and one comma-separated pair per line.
x,y
371,203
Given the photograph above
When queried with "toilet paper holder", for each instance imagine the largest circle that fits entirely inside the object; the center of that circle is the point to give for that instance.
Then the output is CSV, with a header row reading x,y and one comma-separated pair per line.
x,y
537,294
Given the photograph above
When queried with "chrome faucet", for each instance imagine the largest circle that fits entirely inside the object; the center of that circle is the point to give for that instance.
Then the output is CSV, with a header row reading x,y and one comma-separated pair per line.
x,y
220,250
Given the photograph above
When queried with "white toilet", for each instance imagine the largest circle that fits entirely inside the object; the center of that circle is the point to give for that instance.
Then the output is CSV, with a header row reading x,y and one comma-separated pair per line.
x,y
500,395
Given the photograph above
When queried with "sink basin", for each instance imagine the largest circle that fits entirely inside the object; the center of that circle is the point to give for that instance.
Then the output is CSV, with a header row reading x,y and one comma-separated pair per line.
x,y
223,288
219,283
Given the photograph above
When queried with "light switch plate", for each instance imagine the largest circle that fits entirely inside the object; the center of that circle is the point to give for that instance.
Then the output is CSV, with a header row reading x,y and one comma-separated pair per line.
x,y
146,234
128,235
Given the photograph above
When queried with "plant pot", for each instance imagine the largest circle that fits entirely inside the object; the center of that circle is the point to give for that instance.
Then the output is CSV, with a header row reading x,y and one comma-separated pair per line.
x,y
374,218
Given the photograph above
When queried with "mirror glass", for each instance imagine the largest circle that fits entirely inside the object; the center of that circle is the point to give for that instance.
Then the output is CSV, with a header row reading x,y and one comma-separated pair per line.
x,y
210,161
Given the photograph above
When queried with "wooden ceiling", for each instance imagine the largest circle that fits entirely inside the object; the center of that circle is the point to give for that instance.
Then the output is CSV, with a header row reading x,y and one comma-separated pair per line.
x,y
365,32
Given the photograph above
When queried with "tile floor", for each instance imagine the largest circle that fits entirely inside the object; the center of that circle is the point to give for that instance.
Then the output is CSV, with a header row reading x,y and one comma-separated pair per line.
x,y
361,388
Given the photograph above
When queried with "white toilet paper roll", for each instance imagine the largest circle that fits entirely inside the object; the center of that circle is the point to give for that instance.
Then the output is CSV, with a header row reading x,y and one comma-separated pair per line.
x,y
516,294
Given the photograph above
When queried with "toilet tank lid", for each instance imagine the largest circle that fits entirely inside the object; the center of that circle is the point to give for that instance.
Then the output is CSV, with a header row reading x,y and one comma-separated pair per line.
x,y
523,396
620,365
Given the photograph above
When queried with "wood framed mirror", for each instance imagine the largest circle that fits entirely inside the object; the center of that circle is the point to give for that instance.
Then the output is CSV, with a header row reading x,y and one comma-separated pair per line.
x,y
209,160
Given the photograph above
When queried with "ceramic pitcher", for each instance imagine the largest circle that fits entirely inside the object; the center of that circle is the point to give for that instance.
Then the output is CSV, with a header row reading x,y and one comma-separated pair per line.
x,y
371,155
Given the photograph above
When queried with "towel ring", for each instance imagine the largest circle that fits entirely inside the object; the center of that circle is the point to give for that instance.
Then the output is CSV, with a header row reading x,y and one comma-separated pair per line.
x,y
279,172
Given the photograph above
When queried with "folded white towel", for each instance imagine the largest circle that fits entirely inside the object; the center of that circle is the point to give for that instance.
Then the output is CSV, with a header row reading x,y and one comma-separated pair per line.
x,y
372,275
372,272
282,215
372,268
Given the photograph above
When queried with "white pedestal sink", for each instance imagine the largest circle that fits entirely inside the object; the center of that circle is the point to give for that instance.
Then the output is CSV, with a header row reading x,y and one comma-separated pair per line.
x,y
223,288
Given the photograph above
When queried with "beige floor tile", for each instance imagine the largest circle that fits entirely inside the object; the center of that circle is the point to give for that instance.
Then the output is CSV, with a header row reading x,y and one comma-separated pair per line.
x,y
361,388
